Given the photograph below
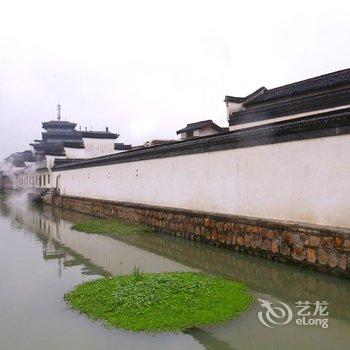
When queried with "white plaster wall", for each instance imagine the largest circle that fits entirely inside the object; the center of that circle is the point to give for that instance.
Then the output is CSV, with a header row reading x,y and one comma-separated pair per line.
x,y
74,153
48,176
304,181
50,161
205,131
98,147
232,107
29,179
201,132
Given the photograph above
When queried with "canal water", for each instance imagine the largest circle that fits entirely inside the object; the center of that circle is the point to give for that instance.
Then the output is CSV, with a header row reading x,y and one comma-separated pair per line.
x,y
41,258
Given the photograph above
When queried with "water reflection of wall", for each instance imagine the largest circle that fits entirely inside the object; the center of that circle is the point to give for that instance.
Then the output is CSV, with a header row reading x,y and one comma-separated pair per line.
x,y
45,227
113,256
283,282
119,255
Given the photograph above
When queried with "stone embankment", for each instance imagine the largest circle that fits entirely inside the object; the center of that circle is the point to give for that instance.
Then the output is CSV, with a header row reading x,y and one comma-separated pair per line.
x,y
322,248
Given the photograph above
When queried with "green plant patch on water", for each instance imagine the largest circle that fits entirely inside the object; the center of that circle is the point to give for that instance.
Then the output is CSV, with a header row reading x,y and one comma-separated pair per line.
x,y
110,226
156,302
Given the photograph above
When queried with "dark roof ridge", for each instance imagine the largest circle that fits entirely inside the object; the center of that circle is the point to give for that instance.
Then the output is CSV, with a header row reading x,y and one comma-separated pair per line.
x,y
313,84
73,144
99,134
63,123
312,78
201,121
249,97
199,124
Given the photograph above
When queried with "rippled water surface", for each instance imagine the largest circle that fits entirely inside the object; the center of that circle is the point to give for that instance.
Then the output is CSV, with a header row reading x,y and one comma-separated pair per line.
x,y
41,258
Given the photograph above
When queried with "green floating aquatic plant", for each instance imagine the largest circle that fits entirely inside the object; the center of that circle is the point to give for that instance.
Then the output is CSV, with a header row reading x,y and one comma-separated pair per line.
x,y
158,302
113,227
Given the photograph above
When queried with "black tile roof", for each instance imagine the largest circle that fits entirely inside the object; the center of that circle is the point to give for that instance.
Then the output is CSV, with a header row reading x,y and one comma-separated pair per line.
x,y
234,99
312,85
199,125
99,135
61,136
49,148
247,98
55,152
73,144
19,158
58,124
60,161
18,162
26,155
122,147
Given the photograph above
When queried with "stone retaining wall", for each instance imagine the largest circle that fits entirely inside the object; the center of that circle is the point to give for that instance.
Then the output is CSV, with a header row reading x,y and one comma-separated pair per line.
x,y
323,248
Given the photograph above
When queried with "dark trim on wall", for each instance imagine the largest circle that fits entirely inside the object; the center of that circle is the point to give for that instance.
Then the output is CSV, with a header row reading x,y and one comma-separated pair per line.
x,y
333,123
69,144
290,107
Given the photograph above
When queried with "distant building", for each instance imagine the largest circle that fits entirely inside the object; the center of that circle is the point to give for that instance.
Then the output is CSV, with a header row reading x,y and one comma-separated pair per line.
x,y
60,143
61,139
20,159
201,128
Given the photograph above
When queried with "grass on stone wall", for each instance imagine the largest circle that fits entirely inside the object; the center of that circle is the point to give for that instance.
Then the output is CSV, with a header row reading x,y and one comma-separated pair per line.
x,y
110,226
159,302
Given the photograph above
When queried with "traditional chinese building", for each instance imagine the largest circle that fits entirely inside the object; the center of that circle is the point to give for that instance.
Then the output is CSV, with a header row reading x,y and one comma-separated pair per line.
x,y
60,143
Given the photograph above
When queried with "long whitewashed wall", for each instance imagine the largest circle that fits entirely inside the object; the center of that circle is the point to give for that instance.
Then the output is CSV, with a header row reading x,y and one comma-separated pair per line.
x,y
305,181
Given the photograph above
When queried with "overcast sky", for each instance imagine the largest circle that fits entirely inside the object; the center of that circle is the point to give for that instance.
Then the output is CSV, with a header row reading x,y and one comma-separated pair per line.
x,y
147,68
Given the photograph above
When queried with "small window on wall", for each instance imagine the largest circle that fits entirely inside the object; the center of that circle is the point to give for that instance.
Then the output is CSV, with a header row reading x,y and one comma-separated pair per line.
x,y
48,179
44,180
189,134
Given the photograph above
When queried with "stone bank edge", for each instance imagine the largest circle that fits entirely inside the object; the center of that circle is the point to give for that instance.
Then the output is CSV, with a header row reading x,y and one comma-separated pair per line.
x,y
325,249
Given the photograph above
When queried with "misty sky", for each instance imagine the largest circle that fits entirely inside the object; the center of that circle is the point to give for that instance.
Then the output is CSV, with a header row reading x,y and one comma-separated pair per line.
x,y
147,68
